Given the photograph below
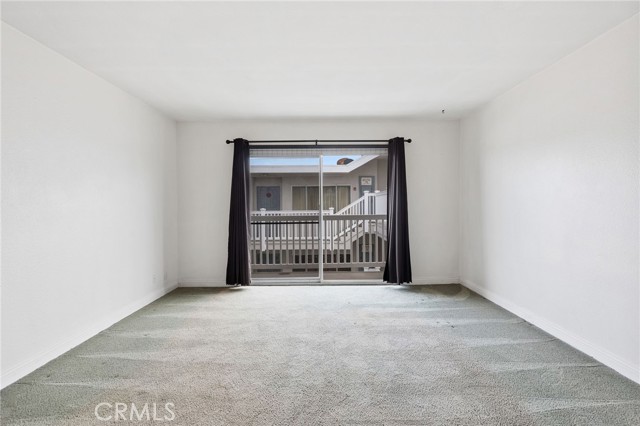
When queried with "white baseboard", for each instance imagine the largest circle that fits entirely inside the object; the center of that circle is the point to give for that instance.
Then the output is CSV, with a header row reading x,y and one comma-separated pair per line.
x,y
87,332
201,282
601,354
435,280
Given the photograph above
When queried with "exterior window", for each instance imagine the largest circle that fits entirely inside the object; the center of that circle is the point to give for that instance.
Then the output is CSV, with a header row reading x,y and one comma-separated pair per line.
x,y
313,198
299,198
308,197
330,197
344,197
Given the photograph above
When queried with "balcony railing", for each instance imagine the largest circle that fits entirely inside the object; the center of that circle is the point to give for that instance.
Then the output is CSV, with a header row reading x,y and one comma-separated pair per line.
x,y
353,238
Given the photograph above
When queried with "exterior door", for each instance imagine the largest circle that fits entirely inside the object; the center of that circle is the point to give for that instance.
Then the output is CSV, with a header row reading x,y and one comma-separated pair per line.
x,y
367,183
302,234
268,197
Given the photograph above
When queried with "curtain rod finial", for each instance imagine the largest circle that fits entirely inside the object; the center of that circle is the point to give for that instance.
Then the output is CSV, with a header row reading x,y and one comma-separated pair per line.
x,y
236,140
401,138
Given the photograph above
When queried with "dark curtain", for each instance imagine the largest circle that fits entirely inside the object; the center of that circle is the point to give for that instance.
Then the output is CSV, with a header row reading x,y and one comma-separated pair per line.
x,y
238,265
398,267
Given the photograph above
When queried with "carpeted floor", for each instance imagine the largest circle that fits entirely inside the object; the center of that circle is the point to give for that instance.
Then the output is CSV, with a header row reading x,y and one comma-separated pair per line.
x,y
348,355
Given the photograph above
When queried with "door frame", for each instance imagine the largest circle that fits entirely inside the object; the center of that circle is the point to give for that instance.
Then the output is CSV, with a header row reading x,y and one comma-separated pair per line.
x,y
269,186
319,279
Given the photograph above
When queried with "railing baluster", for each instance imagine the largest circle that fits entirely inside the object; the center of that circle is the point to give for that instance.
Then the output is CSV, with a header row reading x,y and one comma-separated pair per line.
x,y
347,238
325,245
341,259
275,239
330,243
363,254
358,245
263,212
314,235
253,245
290,254
337,237
287,240
257,244
290,243
373,239
351,240
259,248
374,247
345,241
383,253
366,241
280,239
336,242
299,244
270,244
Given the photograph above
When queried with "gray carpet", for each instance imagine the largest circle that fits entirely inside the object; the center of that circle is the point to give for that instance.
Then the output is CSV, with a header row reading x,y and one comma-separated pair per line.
x,y
348,355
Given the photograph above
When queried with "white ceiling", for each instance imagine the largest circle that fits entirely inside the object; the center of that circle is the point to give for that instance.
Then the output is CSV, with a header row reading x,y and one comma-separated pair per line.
x,y
207,60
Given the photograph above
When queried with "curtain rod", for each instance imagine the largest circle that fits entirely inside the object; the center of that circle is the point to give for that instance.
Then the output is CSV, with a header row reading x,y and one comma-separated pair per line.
x,y
316,141
275,146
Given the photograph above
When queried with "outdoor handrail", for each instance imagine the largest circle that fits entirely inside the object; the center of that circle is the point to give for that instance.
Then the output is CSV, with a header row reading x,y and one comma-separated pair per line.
x,y
352,240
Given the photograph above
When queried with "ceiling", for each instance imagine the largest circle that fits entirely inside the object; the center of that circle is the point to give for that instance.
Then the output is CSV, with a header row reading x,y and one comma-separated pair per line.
x,y
213,60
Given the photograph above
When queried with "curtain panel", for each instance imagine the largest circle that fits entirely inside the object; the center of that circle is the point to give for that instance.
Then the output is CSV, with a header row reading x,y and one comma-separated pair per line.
x,y
238,264
398,267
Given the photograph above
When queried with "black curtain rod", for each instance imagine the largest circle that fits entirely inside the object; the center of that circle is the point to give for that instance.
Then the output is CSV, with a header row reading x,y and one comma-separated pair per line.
x,y
317,141
276,146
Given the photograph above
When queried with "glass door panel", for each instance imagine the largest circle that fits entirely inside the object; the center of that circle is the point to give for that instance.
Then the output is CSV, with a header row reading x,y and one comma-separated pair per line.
x,y
285,223
318,217
354,193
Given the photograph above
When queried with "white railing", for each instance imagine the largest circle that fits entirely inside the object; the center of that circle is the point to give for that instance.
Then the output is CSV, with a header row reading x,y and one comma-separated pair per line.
x,y
355,240
354,236
286,228
369,203
287,242
265,212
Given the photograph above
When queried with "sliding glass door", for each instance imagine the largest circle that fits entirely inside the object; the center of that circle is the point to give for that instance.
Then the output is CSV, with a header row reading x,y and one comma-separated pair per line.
x,y
311,219
285,216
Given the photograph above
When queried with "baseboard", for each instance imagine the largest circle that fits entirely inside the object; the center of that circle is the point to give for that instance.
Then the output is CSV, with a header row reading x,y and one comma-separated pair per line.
x,y
87,332
599,353
201,282
435,280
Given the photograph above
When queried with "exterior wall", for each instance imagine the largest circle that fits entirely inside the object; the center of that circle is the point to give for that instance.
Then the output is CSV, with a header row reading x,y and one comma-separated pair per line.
x,y
381,182
288,181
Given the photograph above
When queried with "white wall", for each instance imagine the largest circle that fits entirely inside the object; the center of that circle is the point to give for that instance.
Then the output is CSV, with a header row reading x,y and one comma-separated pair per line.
x,y
88,204
204,172
549,199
